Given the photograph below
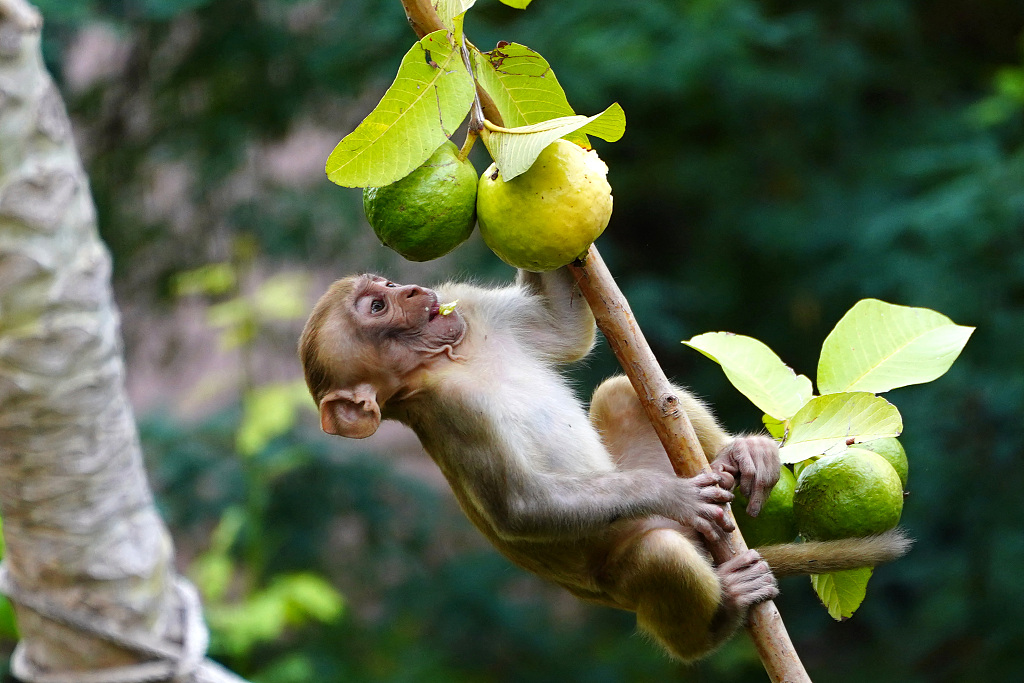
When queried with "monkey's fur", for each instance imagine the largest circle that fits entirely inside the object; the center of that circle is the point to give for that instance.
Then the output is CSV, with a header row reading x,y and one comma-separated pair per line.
x,y
588,502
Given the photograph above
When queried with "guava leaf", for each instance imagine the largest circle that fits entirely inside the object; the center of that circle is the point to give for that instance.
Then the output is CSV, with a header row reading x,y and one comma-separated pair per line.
x,y
447,10
430,97
842,592
518,4
879,346
777,428
825,423
523,87
757,372
515,149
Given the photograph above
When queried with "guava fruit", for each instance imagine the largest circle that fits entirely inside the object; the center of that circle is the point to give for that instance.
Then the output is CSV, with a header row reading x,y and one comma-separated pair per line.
x,y
775,523
891,449
855,493
549,215
429,212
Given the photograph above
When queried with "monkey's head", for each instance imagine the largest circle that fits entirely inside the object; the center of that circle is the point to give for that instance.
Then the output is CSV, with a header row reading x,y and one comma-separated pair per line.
x,y
368,340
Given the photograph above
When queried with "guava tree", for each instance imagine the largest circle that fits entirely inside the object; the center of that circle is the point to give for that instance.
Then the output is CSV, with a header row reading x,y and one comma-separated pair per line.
x,y
88,563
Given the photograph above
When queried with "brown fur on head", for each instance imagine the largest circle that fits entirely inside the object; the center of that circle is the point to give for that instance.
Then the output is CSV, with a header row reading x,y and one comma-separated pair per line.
x,y
315,367
367,340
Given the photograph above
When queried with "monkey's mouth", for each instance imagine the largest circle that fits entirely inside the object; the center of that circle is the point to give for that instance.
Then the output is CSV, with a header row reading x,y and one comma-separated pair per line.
x,y
434,308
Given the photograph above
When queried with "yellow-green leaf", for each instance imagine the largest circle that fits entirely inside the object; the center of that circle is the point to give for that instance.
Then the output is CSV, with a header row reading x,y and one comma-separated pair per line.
x,y
842,592
757,372
825,424
879,346
515,149
429,99
518,4
448,10
523,87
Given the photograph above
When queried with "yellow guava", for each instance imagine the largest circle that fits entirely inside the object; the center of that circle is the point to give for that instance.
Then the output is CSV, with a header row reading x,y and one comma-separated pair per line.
x,y
890,448
775,523
855,493
549,215
429,212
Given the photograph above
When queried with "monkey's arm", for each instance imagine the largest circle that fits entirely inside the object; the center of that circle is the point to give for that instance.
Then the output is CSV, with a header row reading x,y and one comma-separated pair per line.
x,y
563,326
542,506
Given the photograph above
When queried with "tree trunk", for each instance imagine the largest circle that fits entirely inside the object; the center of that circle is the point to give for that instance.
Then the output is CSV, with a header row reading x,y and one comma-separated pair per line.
x,y
89,563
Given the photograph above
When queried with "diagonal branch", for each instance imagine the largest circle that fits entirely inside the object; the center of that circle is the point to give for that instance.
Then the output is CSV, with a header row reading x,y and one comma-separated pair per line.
x,y
660,402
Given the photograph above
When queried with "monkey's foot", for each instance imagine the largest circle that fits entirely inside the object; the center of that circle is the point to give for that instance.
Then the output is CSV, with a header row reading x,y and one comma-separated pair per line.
x,y
747,580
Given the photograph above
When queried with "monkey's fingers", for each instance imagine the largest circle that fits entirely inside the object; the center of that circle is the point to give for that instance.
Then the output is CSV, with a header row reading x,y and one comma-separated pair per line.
x,y
721,524
726,478
714,486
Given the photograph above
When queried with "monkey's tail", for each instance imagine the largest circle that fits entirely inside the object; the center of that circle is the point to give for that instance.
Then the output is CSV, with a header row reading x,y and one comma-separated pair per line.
x,y
821,557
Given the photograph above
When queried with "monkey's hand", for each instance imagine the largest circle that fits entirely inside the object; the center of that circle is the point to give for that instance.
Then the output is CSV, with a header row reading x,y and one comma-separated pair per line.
x,y
701,504
754,462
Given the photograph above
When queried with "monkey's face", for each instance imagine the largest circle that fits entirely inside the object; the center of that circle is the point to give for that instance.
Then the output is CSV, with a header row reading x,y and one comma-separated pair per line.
x,y
403,318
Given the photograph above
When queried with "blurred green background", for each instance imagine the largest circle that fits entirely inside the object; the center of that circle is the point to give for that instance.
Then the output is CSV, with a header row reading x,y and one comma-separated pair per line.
x,y
783,159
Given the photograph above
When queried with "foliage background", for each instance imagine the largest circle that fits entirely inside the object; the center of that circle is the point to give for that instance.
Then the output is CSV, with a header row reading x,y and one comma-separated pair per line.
x,y
783,159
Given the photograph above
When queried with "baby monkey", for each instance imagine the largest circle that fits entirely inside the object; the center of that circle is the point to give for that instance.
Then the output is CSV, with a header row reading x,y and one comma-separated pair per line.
x,y
589,502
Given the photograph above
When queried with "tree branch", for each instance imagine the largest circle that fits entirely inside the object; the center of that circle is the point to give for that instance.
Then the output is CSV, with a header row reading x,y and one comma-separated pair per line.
x,y
614,317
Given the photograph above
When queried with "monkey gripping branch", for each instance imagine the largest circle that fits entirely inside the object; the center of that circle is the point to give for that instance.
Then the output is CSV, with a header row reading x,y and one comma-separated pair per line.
x,y
472,371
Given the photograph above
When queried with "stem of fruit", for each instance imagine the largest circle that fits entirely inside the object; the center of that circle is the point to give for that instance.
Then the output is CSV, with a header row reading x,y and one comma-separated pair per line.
x,y
476,112
614,317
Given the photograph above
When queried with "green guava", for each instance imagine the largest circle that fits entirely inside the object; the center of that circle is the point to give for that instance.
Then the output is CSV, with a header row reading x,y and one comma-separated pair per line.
x,y
891,449
855,493
549,215
775,523
429,212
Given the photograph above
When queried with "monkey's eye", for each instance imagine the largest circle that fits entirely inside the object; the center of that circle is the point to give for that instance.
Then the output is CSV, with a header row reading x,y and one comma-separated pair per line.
x,y
377,305
390,284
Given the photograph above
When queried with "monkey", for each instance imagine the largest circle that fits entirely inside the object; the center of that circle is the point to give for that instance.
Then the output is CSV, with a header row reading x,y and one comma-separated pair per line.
x,y
586,501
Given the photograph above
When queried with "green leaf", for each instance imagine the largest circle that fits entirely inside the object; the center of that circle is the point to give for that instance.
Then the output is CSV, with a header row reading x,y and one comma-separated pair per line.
x,y
430,97
514,150
448,10
879,346
518,4
283,297
268,412
826,423
523,87
777,428
757,372
211,279
308,596
842,592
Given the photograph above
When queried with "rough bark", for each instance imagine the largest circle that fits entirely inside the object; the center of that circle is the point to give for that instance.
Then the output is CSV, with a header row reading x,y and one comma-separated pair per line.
x,y
84,540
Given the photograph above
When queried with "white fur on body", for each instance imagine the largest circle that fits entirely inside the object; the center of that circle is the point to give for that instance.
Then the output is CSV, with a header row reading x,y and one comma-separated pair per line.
x,y
521,455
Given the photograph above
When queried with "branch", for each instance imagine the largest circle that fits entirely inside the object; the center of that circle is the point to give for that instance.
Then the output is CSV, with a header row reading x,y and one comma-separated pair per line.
x,y
661,404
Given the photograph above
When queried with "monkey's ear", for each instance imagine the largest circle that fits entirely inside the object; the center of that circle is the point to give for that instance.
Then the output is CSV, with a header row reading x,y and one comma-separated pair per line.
x,y
351,412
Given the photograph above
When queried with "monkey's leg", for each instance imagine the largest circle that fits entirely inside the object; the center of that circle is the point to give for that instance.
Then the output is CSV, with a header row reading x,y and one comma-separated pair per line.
x,y
627,433
685,604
